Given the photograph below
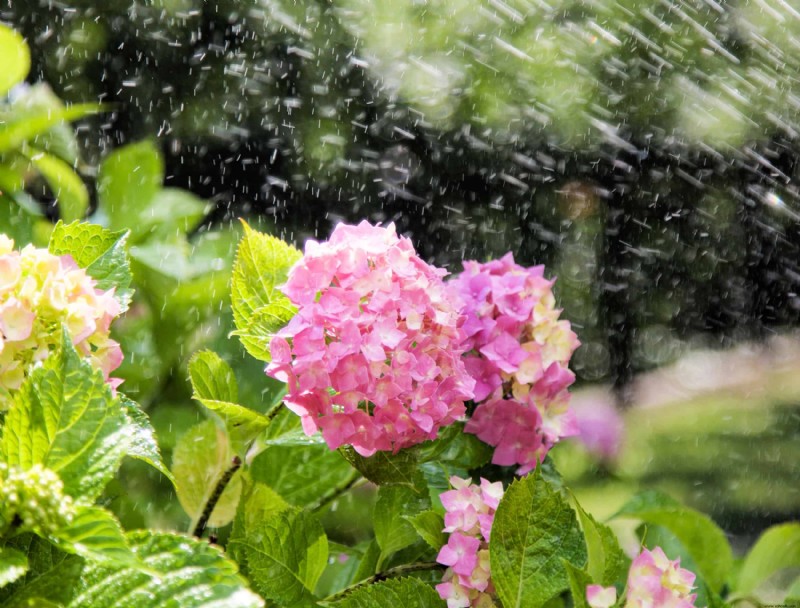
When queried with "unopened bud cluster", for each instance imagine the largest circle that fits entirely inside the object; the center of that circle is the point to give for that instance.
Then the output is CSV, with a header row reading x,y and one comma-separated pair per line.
x,y
33,500
39,294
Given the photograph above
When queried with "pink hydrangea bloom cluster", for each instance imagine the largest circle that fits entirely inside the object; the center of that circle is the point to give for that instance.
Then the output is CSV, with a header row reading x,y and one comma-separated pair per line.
x,y
469,516
654,581
518,354
373,356
39,293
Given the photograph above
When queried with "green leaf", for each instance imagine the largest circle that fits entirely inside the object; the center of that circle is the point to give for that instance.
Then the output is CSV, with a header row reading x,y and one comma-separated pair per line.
x,y
303,476
776,549
214,385
95,534
187,573
369,562
212,378
534,530
703,539
65,418
385,468
142,442
13,563
262,264
68,188
429,525
258,503
607,563
16,59
285,556
173,210
127,183
407,592
578,581
15,132
52,574
199,460
101,252
794,591
393,531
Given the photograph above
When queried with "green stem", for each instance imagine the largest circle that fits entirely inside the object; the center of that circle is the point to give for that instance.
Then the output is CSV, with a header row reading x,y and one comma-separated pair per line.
x,y
382,576
212,501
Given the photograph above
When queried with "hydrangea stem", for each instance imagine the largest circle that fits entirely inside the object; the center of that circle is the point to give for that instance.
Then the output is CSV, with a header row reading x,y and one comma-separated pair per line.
x,y
382,576
212,501
338,491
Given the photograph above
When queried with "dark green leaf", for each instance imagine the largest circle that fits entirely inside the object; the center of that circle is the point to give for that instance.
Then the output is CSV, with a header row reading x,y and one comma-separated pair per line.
x,y
385,468
393,531
704,541
301,475
406,592
285,555
534,530
185,572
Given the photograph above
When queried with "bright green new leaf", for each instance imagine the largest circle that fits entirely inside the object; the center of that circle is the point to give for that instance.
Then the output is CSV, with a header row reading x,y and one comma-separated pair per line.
x,y
776,549
15,57
17,131
212,378
95,534
385,468
101,252
13,564
406,592
127,183
534,530
703,539
68,188
214,385
303,476
285,556
201,457
184,572
142,442
65,418
258,503
429,525
607,563
393,531
262,264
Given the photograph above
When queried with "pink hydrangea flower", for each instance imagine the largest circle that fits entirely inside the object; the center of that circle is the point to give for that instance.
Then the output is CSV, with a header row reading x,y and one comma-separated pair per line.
x,y
39,294
468,519
654,581
518,354
373,357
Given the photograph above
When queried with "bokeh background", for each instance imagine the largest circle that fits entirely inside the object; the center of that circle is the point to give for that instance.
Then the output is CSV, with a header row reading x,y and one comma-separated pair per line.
x,y
645,151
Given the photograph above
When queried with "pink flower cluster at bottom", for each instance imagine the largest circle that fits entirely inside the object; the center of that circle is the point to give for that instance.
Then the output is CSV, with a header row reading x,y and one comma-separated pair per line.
x,y
654,581
470,514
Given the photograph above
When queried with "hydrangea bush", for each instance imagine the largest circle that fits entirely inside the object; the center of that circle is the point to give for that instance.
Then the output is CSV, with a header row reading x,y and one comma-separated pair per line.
x,y
441,397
